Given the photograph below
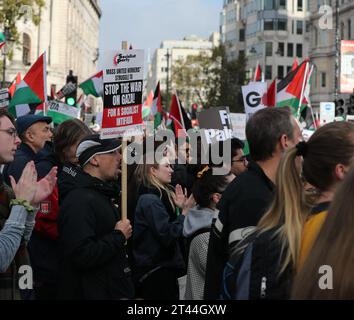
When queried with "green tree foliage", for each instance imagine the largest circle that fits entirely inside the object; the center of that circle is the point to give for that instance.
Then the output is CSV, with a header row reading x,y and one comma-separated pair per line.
x,y
233,76
190,76
211,80
11,11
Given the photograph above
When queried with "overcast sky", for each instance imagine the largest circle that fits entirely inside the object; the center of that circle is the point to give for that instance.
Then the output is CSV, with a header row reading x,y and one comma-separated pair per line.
x,y
145,23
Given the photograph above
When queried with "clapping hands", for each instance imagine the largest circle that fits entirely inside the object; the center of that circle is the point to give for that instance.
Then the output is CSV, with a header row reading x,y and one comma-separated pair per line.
x,y
31,190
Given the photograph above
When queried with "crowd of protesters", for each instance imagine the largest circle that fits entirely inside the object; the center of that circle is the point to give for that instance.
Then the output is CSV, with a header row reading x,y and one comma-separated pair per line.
x,y
261,230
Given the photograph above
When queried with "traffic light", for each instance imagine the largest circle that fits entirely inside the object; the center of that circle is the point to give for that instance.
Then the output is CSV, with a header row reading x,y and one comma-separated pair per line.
x,y
71,97
339,111
194,111
351,105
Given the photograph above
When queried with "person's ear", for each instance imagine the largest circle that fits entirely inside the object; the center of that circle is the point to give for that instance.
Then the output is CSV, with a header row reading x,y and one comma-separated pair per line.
x,y
340,171
284,142
94,161
216,197
153,171
29,135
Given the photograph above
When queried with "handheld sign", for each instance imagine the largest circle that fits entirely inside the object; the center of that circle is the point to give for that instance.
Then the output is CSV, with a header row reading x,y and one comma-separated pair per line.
x,y
327,112
215,123
122,94
61,112
253,95
4,98
238,121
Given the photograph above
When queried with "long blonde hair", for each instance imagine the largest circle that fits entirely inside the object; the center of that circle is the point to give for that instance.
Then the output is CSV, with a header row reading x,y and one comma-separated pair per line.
x,y
143,176
289,209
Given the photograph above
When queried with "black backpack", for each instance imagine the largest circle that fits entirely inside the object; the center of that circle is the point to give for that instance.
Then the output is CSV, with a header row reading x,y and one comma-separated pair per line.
x,y
252,271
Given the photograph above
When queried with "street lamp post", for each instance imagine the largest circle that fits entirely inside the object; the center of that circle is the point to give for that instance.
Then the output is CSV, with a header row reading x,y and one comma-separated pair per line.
x,y
168,55
265,61
337,53
5,52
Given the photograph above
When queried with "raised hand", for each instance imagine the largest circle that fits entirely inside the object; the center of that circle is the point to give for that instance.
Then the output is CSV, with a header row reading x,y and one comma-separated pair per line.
x,y
180,197
45,186
190,203
26,187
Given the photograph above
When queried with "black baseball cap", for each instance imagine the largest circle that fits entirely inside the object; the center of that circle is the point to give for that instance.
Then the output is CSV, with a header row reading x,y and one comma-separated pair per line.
x,y
93,145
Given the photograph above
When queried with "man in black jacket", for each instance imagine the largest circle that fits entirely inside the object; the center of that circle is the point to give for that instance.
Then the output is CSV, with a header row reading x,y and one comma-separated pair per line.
x,y
269,133
34,131
93,260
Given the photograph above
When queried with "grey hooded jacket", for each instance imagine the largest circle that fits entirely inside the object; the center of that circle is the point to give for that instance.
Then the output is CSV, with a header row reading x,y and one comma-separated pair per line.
x,y
19,224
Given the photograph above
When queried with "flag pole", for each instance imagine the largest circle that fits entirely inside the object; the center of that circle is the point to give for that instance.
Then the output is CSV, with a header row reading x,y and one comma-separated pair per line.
x,y
124,174
313,117
45,84
180,114
302,90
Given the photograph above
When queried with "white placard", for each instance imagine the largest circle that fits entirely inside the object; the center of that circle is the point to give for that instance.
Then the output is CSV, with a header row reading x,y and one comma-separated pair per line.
x,y
327,112
238,121
123,76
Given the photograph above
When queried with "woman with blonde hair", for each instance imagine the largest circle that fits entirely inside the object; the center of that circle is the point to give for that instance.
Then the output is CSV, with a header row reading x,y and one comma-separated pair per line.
x,y
278,240
157,232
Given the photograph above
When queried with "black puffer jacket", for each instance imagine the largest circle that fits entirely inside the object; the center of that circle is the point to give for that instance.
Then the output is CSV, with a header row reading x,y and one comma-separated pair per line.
x,y
93,261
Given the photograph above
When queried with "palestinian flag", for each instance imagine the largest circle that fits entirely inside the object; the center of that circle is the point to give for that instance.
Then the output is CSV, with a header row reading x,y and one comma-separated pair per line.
x,y
2,40
179,121
31,90
290,89
14,83
156,108
269,98
258,73
93,85
295,64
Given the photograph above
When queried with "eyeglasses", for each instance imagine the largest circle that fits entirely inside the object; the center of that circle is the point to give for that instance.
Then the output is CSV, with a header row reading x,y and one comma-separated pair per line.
x,y
242,159
11,131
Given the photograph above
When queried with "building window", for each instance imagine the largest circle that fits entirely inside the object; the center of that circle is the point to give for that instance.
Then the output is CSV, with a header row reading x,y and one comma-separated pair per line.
x,y
26,49
282,23
307,26
315,36
269,5
242,34
299,50
299,5
280,72
268,24
281,49
268,73
269,49
299,27
342,30
288,69
349,29
290,49
282,4
323,79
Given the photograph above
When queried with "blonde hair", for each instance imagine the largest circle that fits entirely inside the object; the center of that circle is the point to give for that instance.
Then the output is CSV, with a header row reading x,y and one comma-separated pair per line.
x,y
143,176
289,209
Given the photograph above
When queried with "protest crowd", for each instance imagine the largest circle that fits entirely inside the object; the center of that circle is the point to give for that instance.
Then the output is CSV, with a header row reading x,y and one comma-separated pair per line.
x,y
272,219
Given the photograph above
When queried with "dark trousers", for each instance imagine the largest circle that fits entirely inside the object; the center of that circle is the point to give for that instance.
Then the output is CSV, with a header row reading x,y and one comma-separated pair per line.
x,y
160,285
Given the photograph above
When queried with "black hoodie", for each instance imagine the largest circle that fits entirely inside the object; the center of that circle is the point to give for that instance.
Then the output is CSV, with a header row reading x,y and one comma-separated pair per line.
x,y
93,261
